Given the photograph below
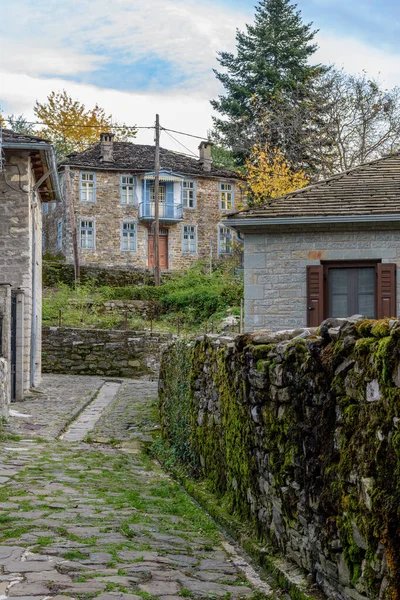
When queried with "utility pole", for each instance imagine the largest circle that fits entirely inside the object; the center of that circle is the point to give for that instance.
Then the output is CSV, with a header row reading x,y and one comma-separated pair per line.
x,y
70,203
156,205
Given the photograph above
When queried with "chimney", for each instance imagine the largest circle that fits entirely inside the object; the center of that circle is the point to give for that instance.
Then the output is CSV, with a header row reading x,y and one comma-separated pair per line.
x,y
106,147
205,155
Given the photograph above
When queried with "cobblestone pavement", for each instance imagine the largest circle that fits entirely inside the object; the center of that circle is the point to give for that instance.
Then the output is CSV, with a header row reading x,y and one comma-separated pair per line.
x,y
82,520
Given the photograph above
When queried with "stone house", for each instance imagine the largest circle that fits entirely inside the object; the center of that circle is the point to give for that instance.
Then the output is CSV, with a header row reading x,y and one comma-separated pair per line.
x,y
331,249
111,189
28,178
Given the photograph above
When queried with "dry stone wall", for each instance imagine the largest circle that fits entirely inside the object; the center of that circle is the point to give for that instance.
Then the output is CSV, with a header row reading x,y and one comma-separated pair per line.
x,y
297,434
102,352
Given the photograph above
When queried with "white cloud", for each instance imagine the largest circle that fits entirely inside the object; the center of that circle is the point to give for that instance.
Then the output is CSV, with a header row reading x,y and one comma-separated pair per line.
x,y
185,33
177,110
34,57
355,56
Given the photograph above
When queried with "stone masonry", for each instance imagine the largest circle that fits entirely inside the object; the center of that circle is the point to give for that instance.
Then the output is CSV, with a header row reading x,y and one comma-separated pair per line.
x,y
297,434
102,352
275,269
108,214
20,231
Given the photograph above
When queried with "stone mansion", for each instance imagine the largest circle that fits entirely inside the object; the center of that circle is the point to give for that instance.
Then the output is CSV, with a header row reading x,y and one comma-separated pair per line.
x,y
110,194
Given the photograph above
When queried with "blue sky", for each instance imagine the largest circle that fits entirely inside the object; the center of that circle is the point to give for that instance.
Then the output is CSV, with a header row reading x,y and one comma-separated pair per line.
x,y
138,57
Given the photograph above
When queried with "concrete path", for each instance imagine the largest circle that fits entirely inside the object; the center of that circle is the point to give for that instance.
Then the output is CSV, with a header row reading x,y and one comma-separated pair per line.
x,y
101,520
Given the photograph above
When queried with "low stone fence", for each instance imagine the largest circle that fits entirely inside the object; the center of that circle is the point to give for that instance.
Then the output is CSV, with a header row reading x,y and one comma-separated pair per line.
x,y
60,271
102,352
298,435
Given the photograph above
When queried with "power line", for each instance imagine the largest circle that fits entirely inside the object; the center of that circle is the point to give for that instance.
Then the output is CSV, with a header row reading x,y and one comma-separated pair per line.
x,y
187,134
180,143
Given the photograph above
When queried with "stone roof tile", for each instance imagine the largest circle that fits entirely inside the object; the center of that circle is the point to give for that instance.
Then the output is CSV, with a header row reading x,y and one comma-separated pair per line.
x,y
140,158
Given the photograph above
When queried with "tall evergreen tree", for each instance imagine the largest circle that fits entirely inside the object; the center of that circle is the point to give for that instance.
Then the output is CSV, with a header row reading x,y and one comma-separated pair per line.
x,y
270,70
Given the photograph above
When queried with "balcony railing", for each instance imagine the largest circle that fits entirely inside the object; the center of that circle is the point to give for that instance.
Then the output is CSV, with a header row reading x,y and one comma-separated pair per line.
x,y
167,212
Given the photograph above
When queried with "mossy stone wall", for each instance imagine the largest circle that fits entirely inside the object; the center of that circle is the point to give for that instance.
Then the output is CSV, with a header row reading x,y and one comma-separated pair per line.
x,y
104,352
298,434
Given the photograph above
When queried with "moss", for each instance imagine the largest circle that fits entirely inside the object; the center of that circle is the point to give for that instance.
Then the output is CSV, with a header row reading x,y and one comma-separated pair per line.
x,y
326,440
381,328
363,345
261,351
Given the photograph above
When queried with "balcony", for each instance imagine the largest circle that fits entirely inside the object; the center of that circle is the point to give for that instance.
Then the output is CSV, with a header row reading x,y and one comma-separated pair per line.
x,y
167,212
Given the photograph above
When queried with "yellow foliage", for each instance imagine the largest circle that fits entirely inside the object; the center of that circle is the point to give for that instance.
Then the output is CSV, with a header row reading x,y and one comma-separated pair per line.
x,y
269,175
73,127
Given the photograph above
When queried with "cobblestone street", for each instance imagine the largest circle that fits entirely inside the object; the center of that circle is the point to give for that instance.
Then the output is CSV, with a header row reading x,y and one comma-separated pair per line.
x,y
96,517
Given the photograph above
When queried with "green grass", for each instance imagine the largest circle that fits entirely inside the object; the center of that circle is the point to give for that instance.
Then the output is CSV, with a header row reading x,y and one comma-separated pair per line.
x,y
197,298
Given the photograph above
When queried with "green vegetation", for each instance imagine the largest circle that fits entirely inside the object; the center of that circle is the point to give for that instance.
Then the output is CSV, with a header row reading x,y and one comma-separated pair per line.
x,y
352,442
196,298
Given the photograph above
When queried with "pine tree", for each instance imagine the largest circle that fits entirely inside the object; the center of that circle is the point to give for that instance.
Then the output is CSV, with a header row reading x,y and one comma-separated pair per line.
x,y
270,70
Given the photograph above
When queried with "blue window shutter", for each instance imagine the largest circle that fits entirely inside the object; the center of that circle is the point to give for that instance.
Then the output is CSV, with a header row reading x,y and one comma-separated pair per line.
x,y
146,191
194,194
169,193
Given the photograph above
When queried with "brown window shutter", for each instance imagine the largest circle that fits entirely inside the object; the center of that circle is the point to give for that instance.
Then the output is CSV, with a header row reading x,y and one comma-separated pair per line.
x,y
386,290
315,295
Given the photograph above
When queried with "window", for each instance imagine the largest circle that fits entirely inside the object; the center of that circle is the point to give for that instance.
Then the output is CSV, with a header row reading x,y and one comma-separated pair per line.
x,y
53,206
189,194
87,233
43,240
351,291
88,187
189,239
226,196
161,193
342,289
224,240
45,208
128,236
59,234
127,189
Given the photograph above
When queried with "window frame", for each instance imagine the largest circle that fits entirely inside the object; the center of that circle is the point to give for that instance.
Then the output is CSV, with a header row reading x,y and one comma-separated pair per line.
x,y
83,219
128,186
220,253
81,188
189,252
194,189
348,264
231,191
129,222
152,195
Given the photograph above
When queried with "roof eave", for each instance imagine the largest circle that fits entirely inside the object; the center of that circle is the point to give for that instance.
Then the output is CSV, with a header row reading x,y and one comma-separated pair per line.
x,y
247,223
50,158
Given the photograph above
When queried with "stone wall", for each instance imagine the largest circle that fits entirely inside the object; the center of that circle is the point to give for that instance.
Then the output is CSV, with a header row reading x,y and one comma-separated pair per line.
x,y
102,352
275,269
108,214
21,258
55,272
297,435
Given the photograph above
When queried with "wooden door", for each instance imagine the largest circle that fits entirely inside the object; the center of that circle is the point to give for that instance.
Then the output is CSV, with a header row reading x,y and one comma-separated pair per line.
x,y
163,249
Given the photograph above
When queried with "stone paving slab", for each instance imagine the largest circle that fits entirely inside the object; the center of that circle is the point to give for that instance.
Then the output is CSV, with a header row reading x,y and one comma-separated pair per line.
x,y
82,520
53,403
89,417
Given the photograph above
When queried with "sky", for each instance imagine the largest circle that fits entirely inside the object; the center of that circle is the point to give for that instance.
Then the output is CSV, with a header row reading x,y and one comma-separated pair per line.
x,y
136,58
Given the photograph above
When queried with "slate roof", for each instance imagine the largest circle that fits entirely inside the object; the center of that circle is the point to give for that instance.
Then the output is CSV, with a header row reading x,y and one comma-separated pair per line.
x,y
140,159
15,138
371,188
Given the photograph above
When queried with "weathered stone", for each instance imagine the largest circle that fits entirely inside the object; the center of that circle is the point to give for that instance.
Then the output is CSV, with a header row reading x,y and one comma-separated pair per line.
x,y
373,391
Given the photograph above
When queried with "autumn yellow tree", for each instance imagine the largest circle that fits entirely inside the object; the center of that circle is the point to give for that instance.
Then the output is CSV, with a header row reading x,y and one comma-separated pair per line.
x,y
72,127
269,175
